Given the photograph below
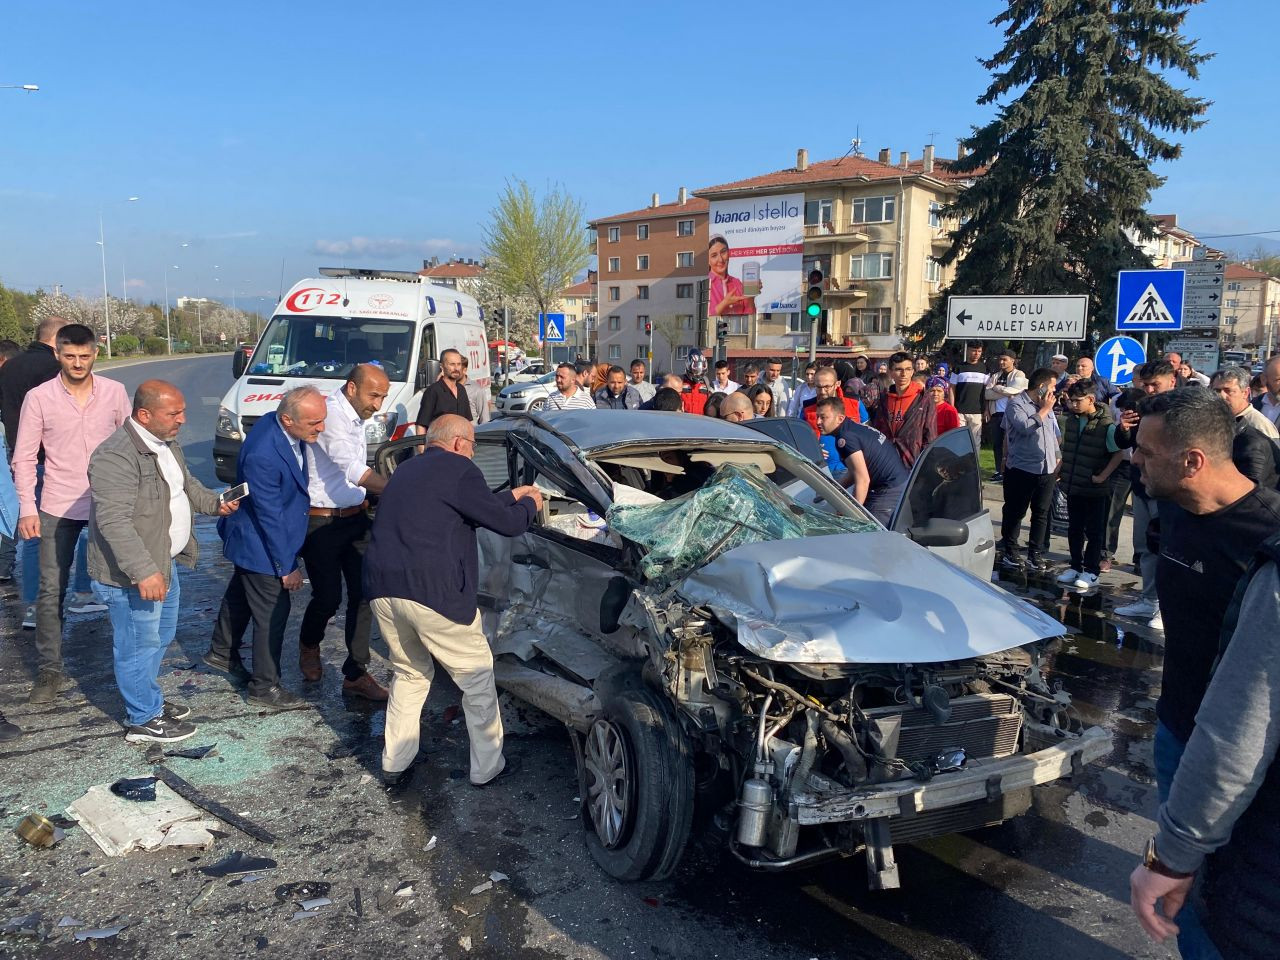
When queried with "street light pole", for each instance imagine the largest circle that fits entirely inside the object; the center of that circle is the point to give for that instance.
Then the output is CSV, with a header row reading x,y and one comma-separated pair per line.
x,y
106,297
28,87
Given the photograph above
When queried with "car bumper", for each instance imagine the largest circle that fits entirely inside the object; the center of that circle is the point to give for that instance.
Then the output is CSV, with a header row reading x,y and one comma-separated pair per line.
x,y
979,780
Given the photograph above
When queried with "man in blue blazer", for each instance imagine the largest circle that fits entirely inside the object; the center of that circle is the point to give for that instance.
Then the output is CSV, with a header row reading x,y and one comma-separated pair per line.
x,y
263,539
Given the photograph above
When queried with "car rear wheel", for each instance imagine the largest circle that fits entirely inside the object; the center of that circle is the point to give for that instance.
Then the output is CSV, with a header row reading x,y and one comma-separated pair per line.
x,y
637,787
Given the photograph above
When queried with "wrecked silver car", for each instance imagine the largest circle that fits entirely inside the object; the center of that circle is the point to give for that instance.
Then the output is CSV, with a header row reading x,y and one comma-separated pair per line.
x,y
723,629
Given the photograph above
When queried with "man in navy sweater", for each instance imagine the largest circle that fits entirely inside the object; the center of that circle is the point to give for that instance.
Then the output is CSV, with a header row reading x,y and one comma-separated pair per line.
x,y
420,576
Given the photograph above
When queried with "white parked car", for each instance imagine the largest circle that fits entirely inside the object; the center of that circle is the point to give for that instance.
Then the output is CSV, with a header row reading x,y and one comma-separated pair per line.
x,y
532,371
527,396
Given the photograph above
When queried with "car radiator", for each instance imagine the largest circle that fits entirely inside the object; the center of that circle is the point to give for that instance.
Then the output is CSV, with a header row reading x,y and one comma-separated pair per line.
x,y
983,725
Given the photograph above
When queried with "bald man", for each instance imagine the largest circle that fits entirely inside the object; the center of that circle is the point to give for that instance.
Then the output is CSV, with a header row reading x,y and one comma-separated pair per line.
x,y
143,498
737,407
338,484
420,576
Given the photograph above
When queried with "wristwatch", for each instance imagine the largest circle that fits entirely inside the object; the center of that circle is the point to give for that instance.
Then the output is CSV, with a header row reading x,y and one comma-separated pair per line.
x,y
1152,862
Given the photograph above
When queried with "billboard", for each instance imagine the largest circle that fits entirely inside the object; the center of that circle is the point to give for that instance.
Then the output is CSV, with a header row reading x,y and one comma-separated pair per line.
x,y
754,255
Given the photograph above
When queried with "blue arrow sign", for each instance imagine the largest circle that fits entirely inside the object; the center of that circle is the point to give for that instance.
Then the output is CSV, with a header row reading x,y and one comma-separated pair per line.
x,y
1117,358
1150,299
551,327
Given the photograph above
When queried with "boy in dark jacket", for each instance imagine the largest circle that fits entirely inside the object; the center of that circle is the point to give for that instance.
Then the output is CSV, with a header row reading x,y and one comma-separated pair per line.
x,y
1089,457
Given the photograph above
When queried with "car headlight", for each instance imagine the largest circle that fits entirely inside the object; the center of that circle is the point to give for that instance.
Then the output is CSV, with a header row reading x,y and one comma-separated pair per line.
x,y
517,394
379,428
228,425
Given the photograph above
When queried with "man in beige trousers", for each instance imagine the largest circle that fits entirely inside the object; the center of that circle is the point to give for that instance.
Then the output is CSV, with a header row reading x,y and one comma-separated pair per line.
x,y
420,575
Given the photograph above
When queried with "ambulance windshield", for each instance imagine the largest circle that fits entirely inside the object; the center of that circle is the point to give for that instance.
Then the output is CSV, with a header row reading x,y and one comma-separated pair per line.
x,y
328,347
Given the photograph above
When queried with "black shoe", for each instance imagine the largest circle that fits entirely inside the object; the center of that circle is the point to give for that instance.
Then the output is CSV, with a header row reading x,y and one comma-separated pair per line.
x,y
1011,561
996,478
160,729
276,698
8,731
235,667
47,686
175,711
1037,563
400,778
512,766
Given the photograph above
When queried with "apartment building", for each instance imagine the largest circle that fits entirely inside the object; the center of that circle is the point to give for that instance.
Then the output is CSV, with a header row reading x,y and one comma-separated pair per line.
x,y
1170,244
1250,310
578,304
460,273
652,269
874,228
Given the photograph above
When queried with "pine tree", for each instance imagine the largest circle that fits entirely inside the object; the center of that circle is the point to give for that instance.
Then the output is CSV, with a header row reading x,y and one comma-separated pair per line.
x,y
1062,175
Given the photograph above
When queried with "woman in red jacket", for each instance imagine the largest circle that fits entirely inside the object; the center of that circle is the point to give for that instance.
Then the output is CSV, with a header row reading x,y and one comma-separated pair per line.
x,y
948,415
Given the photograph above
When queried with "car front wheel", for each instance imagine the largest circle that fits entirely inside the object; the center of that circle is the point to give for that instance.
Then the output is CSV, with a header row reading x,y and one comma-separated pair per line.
x,y
537,405
637,787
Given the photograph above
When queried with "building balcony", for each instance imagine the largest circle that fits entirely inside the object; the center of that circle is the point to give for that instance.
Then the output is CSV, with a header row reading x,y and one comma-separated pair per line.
x,y
851,289
848,233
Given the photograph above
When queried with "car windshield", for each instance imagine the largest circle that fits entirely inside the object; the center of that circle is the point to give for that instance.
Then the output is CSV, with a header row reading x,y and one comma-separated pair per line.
x,y
328,347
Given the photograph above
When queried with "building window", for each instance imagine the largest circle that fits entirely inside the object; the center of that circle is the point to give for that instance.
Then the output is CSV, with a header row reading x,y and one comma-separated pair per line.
x,y
1232,303
642,231
871,266
615,264
932,270
642,292
641,320
615,234
873,210
615,322
684,228
687,321
642,262
1233,285
795,323
935,214
615,351
682,352
684,259
684,291
615,293
738,325
817,212
870,320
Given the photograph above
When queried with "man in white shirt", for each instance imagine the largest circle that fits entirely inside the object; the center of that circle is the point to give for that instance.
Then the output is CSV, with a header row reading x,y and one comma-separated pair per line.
x,y
781,389
569,395
804,391
338,480
640,381
142,500
722,383
479,397
1269,403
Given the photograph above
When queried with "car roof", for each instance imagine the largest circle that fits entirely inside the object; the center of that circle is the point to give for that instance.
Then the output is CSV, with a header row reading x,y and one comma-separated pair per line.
x,y
596,429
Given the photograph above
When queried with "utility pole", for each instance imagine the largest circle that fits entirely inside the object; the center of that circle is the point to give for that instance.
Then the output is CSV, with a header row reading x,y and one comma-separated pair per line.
x,y
506,345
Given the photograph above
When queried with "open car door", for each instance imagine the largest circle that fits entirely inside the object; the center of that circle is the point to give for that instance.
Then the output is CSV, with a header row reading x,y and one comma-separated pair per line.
x,y
942,507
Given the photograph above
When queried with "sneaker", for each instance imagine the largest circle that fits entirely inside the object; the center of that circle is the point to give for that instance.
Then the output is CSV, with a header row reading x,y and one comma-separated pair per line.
x,y
1156,622
8,731
84,603
1068,575
29,618
47,686
996,478
1104,566
175,711
1142,610
160,729
1011,561
1037,562
1085,581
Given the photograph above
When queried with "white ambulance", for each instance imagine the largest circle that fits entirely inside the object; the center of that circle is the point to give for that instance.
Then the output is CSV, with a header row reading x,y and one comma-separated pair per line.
x,y
324,326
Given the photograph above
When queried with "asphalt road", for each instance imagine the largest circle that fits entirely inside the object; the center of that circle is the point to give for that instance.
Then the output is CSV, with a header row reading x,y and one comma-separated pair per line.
x,y
203,380
1052,883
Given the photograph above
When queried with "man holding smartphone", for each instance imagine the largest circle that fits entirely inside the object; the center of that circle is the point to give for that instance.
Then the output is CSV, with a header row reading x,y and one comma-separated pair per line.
x,y
143,498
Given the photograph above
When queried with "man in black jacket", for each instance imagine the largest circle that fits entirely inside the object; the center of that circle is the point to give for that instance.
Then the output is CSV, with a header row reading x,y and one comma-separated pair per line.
x,y
420,576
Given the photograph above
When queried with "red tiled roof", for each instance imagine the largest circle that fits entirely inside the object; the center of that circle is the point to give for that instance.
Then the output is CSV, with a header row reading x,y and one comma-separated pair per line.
x,y
1237,271
692,206
459,271
584,289
844,168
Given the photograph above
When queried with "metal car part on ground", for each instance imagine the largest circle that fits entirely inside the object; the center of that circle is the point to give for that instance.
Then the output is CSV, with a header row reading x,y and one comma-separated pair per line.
x,y
818,693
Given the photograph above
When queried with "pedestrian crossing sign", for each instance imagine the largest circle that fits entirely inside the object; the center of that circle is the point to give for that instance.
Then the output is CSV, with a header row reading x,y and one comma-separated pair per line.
x,y
1149,299
551,327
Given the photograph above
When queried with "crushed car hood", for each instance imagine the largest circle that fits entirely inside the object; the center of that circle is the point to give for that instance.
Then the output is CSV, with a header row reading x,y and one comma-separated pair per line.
x,y
860,598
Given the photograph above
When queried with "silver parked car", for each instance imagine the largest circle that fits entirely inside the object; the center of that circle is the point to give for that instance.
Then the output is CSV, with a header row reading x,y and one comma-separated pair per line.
x,y
528,396
720,626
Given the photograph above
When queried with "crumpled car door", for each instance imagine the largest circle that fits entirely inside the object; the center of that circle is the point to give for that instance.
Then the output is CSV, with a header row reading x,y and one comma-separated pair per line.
x,y
946,484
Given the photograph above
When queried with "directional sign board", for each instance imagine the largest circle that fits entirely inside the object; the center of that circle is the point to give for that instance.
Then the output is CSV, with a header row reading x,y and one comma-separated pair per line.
x,y
1017,317
1149,300
551,327
1201,308
1202,353
1117,358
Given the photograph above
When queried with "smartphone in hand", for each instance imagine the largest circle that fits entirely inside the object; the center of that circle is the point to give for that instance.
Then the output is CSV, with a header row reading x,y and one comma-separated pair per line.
x,y
232,494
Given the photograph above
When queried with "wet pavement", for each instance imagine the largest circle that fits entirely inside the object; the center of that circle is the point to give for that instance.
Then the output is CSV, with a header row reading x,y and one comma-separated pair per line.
x,y
1051,883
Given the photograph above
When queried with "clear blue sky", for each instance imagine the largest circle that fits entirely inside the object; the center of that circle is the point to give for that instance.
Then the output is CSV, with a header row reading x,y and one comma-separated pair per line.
x,y
380,133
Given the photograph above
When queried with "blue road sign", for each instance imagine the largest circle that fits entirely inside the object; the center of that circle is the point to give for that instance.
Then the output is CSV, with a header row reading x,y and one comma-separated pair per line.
x,y
1117,358
1150,299
551,327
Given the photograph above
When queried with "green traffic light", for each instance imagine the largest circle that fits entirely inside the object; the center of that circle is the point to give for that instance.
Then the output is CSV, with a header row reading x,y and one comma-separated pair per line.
x,y
814,310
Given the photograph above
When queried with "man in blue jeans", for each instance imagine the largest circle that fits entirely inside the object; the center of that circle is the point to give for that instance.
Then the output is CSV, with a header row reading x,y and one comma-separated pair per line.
x,y
140,529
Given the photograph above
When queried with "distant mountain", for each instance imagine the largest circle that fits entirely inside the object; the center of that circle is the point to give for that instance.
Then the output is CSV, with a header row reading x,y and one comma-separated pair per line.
x,y
1243,248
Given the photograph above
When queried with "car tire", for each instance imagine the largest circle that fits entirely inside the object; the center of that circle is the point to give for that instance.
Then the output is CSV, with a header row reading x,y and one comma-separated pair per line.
x,y
536,405
638,828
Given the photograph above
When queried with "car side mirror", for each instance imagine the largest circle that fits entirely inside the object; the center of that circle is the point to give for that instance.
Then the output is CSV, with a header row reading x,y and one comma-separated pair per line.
x,y
238,362
938,532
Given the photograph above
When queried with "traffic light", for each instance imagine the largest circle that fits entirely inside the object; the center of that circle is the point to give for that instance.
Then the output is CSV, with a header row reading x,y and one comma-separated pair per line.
x,y
814,310
722,331
648,328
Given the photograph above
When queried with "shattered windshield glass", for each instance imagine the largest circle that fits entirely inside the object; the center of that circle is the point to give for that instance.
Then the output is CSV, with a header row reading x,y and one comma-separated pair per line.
x,y
736,505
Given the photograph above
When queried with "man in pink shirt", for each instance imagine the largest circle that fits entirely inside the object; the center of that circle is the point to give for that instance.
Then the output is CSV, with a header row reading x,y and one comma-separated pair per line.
x,y
68,416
